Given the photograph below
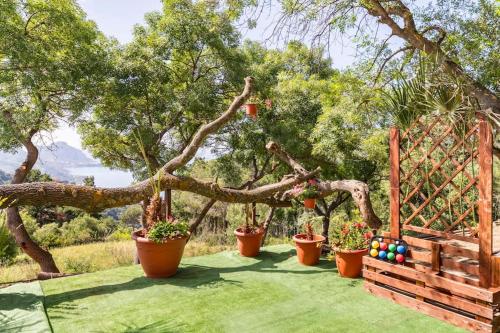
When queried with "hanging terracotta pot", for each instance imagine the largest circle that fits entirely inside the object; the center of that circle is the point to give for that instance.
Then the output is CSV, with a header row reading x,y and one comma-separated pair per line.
x,y
308,251
251,110
249,242
310,203
159,260
350,263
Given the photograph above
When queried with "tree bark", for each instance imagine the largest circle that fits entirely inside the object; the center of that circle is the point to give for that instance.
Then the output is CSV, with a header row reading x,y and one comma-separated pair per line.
x,y
15,223
266,224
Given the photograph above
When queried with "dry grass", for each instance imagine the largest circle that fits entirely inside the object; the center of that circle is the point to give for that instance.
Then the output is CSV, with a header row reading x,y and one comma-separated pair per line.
x,y
98,256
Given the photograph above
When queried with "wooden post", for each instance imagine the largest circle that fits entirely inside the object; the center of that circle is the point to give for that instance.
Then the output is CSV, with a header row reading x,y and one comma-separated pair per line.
x,y
485,204
496,272
436,257
394,181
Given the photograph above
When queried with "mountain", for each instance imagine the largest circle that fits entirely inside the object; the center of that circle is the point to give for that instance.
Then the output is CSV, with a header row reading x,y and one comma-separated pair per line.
x,y
54,159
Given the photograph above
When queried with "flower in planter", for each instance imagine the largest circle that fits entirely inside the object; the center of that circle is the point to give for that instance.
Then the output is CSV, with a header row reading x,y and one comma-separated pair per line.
x,y
350,236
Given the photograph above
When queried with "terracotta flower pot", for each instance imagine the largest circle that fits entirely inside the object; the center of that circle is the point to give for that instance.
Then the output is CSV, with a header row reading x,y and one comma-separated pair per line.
x,y
310,203
159,260
251,110
308,251
350,263
249,243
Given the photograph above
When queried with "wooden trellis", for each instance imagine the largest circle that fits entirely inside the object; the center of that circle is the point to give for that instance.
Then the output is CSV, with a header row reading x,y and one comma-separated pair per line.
x,y
441,182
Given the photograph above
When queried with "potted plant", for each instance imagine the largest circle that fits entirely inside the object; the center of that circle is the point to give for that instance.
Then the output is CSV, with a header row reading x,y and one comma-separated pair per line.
x,y
161,243
308,244
350,241
251,107
249,237
309,194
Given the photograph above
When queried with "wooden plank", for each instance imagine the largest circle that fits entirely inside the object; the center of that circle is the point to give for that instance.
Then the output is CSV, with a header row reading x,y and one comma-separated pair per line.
x,y
459,251
394,181
433,280
460,277
460,265
430,310
432,294
442,234
495,272
424,256
485,203
436,257
418,242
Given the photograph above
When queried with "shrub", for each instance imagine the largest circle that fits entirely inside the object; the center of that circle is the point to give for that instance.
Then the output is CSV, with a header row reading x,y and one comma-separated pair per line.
x,y
49,235
8,247
121,233
132,216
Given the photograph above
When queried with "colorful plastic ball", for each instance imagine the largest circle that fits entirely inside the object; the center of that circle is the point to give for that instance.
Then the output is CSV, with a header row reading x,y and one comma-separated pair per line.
x,y
392,247
382,254
391,256
400,258
383,246
401,249
374,253
375,244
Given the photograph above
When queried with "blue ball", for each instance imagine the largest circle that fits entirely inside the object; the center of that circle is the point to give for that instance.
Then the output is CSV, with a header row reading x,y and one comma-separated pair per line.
x,y
401,249
382,254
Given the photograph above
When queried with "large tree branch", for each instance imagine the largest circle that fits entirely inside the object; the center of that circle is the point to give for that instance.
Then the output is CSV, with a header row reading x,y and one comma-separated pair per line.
x,y
96,199
408,32
359,190
190,151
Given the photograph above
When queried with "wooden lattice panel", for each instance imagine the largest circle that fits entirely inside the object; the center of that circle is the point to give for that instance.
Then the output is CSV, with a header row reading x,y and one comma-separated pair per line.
x,y
439,175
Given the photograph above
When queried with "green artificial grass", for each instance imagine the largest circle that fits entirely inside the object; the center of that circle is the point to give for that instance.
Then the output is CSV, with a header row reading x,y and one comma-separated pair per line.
x,y
225,292
21,309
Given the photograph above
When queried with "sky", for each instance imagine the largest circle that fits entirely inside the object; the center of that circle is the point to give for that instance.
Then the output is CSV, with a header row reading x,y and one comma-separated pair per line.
x,y
116,18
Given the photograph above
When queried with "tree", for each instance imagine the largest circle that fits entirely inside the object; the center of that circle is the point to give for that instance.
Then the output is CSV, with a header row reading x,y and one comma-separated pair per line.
x,y
49,58
163,85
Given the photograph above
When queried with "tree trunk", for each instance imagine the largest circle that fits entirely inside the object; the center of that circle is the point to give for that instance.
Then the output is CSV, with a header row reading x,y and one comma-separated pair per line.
x,y
267,222
15,223
326,227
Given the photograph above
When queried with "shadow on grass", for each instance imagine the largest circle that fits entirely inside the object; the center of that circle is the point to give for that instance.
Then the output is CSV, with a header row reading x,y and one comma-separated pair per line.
x,y
191,276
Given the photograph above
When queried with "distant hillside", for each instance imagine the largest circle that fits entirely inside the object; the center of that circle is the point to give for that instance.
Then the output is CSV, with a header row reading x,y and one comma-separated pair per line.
x,y
54,160
4,177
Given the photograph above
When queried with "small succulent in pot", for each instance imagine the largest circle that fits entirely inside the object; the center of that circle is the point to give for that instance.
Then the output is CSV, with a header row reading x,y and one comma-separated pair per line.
x,y
308,244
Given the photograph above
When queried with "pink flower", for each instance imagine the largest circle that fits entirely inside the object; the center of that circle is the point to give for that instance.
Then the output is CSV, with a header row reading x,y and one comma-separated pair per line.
x,y
312,181
368,235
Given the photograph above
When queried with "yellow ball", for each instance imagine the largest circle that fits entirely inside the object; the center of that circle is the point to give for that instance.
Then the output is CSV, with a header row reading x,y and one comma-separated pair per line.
x,y
375,245
374,253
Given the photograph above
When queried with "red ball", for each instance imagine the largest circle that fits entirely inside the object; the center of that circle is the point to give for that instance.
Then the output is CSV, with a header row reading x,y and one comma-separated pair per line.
x,y
400,258
383,246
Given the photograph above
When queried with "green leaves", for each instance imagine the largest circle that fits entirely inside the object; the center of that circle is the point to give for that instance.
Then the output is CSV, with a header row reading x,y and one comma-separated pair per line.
x,y
163,230
50,64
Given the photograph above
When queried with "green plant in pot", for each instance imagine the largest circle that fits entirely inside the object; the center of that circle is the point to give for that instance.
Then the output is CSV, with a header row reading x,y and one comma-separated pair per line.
x,y
308,244
309,194
249,236
350,241
160,244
